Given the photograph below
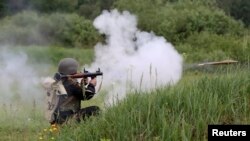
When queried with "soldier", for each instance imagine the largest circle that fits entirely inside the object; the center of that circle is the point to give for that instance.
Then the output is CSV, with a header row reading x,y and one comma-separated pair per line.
x,y
69,105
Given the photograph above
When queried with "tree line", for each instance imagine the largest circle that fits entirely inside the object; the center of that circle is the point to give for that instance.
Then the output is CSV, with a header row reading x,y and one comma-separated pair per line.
x,y
200,29
239,9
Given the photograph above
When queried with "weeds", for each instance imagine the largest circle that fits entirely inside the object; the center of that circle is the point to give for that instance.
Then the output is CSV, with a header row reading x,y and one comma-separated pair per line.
x,y
181,112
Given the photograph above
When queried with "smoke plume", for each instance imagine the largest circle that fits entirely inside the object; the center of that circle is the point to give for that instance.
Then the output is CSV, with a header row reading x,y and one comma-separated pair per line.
x,y
132,59
18,80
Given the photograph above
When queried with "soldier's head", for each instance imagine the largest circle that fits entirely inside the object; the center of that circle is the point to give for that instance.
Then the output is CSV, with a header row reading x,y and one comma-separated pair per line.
x,y
68,66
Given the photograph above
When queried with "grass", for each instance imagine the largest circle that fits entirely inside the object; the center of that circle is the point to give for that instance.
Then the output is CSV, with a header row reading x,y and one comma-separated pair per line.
x,y
182,112
217,95
21,122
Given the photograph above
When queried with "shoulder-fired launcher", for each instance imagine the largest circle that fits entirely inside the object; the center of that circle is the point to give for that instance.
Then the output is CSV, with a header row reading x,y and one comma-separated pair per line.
x,y
83,74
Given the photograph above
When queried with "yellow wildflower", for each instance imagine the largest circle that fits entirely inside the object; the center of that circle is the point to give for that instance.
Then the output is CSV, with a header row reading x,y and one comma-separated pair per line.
x,y
50,130
53,125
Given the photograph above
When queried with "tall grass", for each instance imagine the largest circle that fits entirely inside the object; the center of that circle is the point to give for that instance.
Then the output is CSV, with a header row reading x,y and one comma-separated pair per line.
x,y
20,121
182,112
214,95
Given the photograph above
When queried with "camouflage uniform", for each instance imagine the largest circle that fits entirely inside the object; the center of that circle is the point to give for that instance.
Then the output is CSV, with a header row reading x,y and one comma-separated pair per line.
x,y
70,104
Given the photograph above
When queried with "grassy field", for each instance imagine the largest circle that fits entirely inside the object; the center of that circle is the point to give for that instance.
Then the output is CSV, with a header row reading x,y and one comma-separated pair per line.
x,y
181,112
218,95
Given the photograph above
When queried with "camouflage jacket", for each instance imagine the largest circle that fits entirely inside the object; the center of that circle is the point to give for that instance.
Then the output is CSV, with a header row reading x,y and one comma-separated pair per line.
x,y
75,93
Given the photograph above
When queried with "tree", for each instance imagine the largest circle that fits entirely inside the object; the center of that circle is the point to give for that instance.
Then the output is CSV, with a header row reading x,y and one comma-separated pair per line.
x,y
2,8
176,21
240,10
92,8
50,6
225,5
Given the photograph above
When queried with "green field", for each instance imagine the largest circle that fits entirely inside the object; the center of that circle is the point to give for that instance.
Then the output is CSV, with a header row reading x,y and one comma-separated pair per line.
x,y
36,34
181,112
209,95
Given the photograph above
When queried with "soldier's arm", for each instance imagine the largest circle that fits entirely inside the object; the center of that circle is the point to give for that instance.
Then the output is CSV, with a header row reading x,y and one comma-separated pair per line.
x,y
73,88
90,89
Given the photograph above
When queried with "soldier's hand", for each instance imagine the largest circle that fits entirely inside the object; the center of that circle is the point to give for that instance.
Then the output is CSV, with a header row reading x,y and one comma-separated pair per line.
x,y
84,81
93,81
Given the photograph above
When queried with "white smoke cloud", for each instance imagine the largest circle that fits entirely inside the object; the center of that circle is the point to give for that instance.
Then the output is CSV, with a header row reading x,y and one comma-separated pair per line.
x,y
19,82
132,59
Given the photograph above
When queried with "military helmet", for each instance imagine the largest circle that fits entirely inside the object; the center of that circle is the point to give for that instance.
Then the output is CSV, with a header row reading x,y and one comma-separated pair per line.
x,y
68,66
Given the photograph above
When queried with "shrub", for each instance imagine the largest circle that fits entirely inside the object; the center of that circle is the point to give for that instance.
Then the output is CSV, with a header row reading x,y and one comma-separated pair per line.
x,y
30,28
176,21
206,46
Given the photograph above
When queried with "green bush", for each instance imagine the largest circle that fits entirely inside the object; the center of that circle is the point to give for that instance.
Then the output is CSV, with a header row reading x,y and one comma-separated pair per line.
x,y
206,46
73,30
30,28
177,21
239,9
22,28
198,29
183,20
50,6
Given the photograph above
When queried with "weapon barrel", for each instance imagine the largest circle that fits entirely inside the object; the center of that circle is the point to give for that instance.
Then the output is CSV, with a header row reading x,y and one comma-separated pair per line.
x,y
92,74
81,75
78,75
59,76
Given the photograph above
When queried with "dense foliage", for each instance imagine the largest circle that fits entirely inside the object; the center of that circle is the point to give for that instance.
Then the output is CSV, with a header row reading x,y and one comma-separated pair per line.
x,y
239,9
201,30
91,8
27,28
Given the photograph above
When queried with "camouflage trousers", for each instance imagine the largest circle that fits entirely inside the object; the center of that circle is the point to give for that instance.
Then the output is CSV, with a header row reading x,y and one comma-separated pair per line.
x,y
82,114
